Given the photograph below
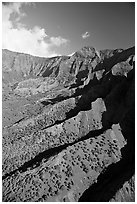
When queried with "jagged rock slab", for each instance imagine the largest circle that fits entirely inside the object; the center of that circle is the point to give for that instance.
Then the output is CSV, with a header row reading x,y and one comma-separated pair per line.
x,y
58,179
24,144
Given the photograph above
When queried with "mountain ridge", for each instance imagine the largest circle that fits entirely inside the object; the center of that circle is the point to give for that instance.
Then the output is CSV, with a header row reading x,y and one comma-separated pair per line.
x,y
64,115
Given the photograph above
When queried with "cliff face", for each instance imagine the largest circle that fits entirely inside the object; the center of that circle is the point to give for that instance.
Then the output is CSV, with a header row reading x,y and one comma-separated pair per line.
x,y
68,126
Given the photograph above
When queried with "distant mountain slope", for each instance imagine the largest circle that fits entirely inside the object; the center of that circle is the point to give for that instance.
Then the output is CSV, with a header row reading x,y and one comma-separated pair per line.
x,y
68,126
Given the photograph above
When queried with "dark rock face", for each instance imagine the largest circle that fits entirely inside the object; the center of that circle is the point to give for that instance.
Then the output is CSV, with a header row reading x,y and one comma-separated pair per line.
x,y
69,126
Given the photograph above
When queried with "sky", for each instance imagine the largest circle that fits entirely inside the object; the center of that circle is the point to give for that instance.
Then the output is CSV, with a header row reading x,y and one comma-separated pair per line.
x,y
48,29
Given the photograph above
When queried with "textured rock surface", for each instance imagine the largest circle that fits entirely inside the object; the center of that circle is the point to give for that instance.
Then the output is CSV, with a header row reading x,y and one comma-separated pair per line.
x,y
26,143
58,179
68,126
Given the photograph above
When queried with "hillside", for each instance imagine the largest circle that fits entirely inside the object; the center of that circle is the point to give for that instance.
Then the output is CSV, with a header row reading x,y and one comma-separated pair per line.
x,y
68,126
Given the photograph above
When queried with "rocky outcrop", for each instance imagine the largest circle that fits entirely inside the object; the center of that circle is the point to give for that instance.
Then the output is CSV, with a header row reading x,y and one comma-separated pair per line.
x,y
68,126
67,175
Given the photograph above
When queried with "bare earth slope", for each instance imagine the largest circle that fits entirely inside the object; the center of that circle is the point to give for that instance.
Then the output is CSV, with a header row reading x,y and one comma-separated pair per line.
x,y
69,126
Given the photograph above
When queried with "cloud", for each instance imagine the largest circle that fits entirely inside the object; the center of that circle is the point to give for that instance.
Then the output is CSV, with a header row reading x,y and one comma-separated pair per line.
x,y
85,35
16,37
58,40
